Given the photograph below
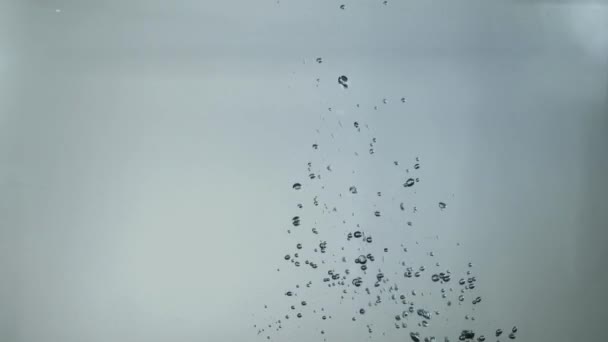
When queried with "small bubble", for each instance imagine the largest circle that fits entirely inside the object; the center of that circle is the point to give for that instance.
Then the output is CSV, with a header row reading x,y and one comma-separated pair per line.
x,y
442,205
356,124
342,7
416,166
303,303
408,183
362,311
315,146
287,257
299,315
514,330
297,186
358,234
415,336
377,213
319,60
512,336
403,99
289,293
343,81
353,189
498,332
299,246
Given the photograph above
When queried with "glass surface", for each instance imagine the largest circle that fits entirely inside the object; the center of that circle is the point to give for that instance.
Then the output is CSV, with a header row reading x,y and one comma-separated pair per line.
x,y
149,152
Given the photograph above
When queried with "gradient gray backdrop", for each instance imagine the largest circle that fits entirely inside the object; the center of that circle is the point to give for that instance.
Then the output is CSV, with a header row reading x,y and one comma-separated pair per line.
x,y
147,150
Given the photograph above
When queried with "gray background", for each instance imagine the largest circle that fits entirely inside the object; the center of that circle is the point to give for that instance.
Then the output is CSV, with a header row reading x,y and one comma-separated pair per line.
x,y
147,150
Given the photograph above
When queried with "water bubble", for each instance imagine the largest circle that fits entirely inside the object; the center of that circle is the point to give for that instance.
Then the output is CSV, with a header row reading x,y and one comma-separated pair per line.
x,y
297,186
319,60
299,246
467,334
361,259
512,336
377,213
299,315
303,303
514,330
371,151
435,277
441,205
415,336
289,293
362,311
498,332
416,166
287,257
358,234
408,183
385,101
353,189
424,313
481,338
357,281
342,7
315,146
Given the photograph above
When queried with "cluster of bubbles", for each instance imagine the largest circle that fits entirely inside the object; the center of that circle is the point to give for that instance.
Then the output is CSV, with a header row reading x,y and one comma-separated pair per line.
x,y
336,254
